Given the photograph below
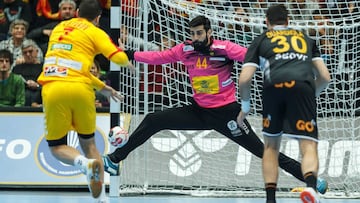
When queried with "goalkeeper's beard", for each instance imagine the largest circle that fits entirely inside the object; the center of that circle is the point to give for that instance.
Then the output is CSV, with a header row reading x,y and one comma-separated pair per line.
x,y
200,46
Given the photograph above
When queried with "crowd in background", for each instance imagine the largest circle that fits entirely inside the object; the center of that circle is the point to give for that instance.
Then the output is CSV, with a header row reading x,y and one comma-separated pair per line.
x,y
25,27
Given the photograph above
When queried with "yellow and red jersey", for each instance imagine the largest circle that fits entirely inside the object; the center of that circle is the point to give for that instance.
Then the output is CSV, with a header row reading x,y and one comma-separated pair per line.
x,y
73,44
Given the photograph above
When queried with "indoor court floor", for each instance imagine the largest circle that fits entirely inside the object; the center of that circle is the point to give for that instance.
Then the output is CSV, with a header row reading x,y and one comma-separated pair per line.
x,y
84,197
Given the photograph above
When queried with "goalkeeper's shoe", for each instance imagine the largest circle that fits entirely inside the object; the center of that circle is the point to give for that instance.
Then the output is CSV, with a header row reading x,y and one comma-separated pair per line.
x,y
309,196
93,177
321,186
109,166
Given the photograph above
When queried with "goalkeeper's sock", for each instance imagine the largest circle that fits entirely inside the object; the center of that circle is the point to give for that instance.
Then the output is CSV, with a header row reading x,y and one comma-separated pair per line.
x,y
270,189
310,180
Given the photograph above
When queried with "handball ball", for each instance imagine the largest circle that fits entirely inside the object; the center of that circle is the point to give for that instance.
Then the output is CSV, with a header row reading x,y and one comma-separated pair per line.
x,y
118,136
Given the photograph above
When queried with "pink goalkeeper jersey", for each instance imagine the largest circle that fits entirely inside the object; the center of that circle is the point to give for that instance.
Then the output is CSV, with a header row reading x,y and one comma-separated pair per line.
x,y
210,74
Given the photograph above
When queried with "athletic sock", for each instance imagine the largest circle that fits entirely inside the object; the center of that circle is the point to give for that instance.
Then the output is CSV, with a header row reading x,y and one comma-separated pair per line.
x,y
310,180
270,189
81,162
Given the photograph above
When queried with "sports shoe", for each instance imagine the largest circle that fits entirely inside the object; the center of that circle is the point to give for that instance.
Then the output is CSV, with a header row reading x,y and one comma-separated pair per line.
x,y
321,185
93,177
109,166
101,200
309,196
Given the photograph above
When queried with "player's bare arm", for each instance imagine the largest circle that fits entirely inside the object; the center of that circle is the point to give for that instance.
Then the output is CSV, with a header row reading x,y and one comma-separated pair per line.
x,y
322,76
245,77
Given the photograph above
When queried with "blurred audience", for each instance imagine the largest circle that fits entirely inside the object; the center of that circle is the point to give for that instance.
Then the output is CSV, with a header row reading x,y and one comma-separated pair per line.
x,y
46,11
322,29
30,70
241,31
40,35
302,9
18,29
11,10
100,99
39,17
12,87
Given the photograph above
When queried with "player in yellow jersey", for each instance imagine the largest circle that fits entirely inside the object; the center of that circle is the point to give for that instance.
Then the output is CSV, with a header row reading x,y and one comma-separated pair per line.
x,y
68,90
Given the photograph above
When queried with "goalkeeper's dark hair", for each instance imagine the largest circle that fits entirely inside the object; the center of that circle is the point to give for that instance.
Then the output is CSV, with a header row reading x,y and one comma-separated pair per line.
x,y
200,20
89,9
6,54
277,14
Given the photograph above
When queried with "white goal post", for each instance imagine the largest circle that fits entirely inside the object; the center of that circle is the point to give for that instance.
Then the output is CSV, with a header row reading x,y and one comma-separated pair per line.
x,y
205,162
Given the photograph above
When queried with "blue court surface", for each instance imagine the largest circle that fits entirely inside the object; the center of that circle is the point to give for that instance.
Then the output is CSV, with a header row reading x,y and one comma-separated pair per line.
x,y
83,197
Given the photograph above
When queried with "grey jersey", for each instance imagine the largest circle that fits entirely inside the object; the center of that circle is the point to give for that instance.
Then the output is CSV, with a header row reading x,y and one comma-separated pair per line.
x,y
283,54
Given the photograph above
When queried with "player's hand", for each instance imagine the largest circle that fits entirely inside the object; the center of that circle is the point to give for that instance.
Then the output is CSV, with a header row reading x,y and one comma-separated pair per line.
x,y
121,44
131,67
111,92
240,118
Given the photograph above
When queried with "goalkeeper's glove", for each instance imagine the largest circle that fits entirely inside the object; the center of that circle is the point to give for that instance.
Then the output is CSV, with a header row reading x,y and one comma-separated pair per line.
x,y
130,54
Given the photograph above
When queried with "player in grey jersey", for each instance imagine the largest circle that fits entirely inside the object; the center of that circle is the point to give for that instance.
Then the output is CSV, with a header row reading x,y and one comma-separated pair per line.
x,y
289,96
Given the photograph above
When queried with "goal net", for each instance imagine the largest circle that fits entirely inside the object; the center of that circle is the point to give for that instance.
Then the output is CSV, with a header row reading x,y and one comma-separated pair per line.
x,y
205,162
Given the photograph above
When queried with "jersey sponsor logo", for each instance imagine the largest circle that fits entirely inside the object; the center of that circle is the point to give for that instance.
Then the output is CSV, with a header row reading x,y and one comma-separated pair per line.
x,y
234,128
291,55
67,47
50,60
69,63
206,84
217,59
289,84
55,71
307,126
48,163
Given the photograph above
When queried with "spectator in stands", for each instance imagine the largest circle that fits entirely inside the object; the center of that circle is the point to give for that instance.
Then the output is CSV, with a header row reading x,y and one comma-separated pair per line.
x,y
324,33
18,29
241,30
130,7
46,11
30,70
12,87
100,99
342,8
11,10
104,21
302,9
41,34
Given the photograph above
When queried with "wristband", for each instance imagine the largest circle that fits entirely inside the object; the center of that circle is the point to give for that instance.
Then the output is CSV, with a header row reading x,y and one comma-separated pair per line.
x,y
130,54
245,106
